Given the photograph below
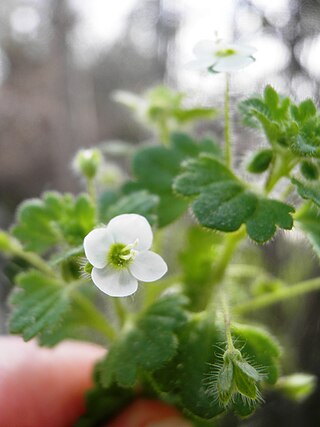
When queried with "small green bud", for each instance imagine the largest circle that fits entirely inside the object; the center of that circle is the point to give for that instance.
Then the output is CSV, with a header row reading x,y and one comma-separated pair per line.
x,y
110,175
260,161
237,376
8,244
297,387
309,170
87,162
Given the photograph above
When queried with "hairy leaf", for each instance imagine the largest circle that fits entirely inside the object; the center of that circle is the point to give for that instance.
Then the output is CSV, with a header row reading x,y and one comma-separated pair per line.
x,y
223,202
43,223
309,190
39,304
156,167
308,220
145,344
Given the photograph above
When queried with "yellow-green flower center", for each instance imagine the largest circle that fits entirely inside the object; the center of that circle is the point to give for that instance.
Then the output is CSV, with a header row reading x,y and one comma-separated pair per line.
x,y
225,52
120,255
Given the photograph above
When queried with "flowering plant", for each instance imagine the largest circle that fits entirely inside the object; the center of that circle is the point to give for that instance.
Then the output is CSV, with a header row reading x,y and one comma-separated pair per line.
x,y
189,338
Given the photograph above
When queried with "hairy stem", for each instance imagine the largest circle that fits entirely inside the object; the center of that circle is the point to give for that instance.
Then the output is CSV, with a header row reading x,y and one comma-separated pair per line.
x,y
227,127
231,242
92,190
227,323
283,294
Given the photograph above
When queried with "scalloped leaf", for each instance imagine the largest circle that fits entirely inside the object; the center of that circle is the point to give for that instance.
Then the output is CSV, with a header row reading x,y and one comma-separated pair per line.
x,y
39,304
156,167
44,223
223,203
146,344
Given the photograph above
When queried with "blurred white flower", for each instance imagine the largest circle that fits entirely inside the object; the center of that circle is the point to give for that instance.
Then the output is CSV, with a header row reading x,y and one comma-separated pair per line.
x,y
222,57
120,256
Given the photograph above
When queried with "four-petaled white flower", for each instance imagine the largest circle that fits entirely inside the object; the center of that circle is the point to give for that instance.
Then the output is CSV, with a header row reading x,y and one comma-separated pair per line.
x,y
222,57
120,256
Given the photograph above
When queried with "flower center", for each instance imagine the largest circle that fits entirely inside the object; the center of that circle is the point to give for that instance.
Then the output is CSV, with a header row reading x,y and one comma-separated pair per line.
x,y
225,52
120,255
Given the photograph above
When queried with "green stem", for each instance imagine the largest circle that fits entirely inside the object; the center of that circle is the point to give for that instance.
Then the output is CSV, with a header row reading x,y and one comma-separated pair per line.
x,y
35,260
222,263
231,242
92,190
227,131
283,294
164,132
227,323
120,310
244,271
95,318
280,167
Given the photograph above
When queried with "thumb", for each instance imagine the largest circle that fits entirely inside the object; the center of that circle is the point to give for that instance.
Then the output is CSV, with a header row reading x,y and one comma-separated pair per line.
x,y
43,387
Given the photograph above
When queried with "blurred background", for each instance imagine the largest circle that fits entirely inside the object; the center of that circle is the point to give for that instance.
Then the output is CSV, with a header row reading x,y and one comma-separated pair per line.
x,y
60,61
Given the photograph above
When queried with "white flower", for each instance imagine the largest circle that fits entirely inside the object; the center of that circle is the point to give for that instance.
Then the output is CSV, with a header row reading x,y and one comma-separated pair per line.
x,y
120,256
222,57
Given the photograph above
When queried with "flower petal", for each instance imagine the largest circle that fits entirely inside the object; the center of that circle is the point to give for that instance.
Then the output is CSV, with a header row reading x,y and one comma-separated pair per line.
x,y
233,63
128,228
116,283
96,245
148,266
205,49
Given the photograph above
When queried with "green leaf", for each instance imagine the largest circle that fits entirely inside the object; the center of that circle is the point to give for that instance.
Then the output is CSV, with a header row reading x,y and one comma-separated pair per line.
x,y
309,170
201,172
294,127
189,377
303,111
140,202
44,223
308,220
156,167
258,346
224,206
309,190
102,404
39,304
260,161
268,215
76,323
145,344
224,203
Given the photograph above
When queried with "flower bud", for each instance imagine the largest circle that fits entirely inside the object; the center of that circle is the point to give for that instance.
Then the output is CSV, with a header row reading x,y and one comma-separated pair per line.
x,y
8,244
235,376
297,387
87,162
